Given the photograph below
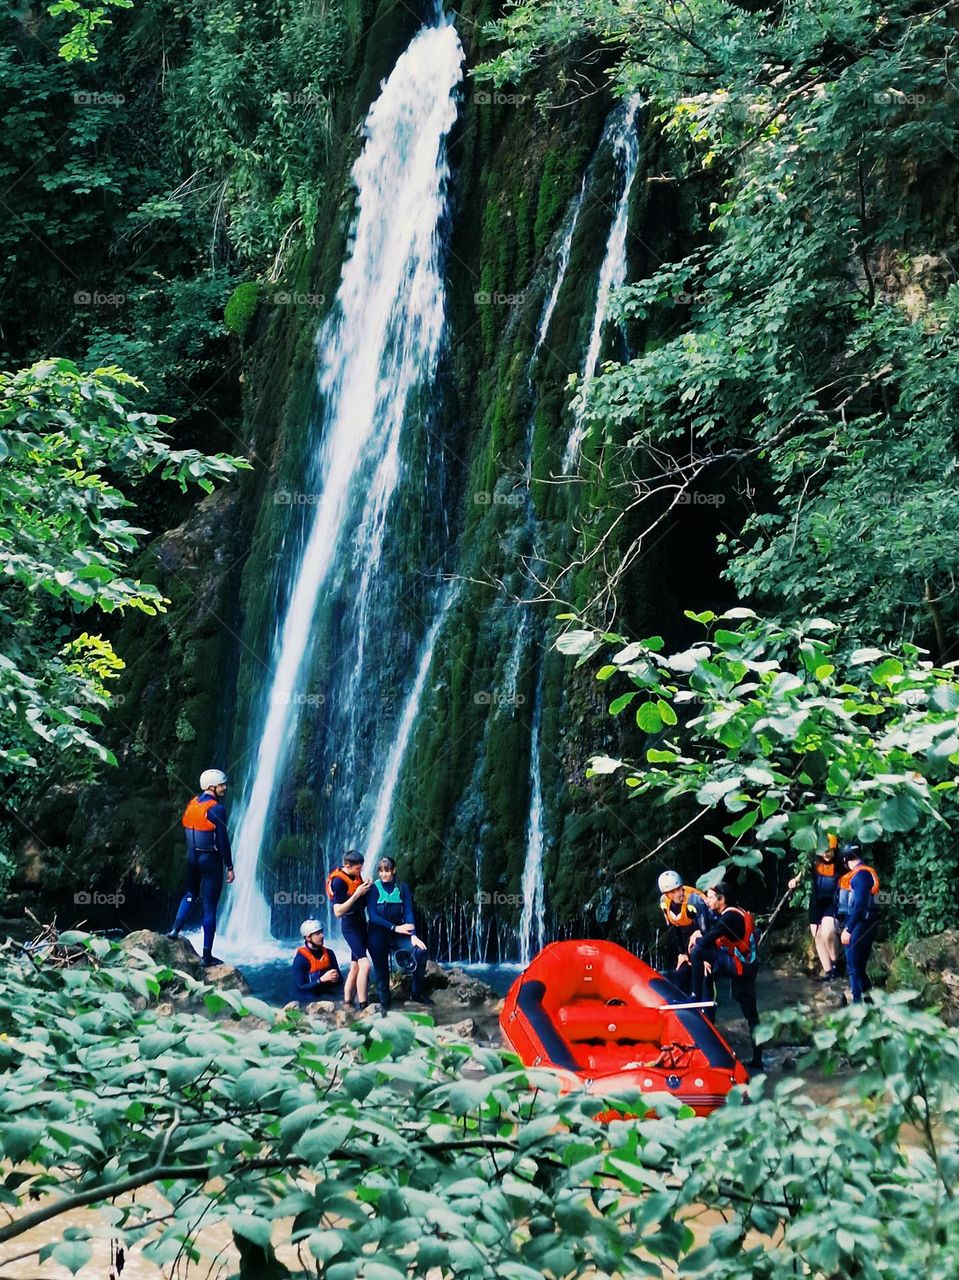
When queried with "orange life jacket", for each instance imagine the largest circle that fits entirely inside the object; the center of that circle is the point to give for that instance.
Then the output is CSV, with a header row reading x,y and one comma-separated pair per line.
x,y
195,816
742,950
318,963
844,896
685,917
351,882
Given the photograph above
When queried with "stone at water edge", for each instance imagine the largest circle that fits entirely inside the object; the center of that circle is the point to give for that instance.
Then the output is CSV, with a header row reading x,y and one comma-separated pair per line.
x,y
178,953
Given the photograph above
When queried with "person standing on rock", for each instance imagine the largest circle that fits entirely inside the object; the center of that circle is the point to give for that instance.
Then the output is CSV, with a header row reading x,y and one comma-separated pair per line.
x,y
727,949
208,852
347,890
316,973
858,914
822,920
685,912
392,930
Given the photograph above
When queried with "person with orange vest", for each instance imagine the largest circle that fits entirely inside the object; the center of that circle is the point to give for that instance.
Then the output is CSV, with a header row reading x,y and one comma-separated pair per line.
x,y
315,968
347,890
822,920
857,911
685,912
728,949
208,852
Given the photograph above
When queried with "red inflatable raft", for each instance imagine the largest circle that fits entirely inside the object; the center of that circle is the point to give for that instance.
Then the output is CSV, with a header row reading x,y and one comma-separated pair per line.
x,y
593,1010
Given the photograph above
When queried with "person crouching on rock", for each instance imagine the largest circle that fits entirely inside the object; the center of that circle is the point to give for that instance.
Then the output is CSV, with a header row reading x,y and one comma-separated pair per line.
x,y
347,890
728,949
392,930
316,973
207,853
685,912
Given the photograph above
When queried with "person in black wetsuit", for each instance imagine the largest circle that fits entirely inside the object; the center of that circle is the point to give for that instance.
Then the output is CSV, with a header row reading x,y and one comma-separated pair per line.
x,y
208,852
857,911
685,912
347,890
316,973
727,948
392,930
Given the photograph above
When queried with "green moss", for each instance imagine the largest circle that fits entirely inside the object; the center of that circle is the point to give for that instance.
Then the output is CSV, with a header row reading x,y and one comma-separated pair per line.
x,y
241,307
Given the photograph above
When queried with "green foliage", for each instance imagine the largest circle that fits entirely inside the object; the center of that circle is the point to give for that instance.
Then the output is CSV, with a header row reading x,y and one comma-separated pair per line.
x,y
790,739
241,307
66,436
810,338
78,43
369,1147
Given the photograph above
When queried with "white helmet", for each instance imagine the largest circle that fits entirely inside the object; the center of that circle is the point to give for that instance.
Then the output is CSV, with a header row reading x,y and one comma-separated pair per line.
x,y
212,778
309,927
669,880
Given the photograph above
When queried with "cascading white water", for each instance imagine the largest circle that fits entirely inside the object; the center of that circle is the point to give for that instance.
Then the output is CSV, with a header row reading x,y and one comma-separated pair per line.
x,y
391,774
532,921
380,344
562,262
612,274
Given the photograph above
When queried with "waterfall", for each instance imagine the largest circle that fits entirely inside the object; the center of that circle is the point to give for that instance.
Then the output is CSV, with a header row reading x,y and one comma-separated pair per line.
x,y
622,135
391,774
533,914
377,350
562,262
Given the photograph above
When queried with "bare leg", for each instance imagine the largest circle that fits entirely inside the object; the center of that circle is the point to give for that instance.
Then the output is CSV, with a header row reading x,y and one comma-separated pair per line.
x,y
349,986
829,934
824,936
362,979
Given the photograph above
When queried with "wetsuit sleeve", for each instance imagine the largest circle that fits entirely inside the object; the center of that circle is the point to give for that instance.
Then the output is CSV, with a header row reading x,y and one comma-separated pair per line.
x,y
373,913
217,815
340,892
334,966
407,899
861,893
301,973
729,925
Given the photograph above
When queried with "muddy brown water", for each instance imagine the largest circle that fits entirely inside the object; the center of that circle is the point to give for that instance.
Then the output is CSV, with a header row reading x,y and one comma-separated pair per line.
x,y
220,1259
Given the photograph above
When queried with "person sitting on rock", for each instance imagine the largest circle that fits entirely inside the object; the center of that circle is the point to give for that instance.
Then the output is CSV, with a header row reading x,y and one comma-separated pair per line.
x,y
316,973
392,931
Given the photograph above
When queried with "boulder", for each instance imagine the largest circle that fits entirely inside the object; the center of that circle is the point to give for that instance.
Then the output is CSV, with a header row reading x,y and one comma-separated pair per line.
x,y
465,989
178,953
456,1032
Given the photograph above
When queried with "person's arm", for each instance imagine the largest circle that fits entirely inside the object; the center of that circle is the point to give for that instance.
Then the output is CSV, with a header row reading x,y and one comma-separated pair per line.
x,y
406,897
334,969
728,925
301,973
217,815
342,903
861,893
